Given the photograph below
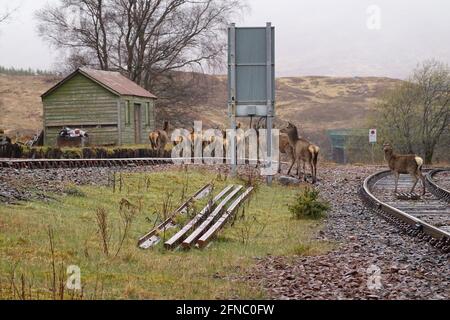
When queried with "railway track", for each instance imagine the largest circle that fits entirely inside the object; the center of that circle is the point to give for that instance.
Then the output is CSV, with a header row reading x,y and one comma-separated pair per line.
x,y
426,218
89,163
434,187
80,163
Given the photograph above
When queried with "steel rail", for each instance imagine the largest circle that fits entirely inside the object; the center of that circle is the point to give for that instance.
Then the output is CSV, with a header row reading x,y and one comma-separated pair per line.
x,y
434,188
189,242
408,223
113,162
176,240
214,230
152,238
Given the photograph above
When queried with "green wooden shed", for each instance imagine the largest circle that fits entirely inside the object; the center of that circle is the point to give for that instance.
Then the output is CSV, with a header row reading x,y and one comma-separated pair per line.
x,y
112,109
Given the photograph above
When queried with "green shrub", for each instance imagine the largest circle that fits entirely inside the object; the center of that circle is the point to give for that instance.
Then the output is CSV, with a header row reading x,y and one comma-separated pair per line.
x,y
72,153
74,192
308,205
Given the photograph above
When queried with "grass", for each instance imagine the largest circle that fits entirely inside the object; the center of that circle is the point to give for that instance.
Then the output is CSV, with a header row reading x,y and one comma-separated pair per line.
x,y
264,228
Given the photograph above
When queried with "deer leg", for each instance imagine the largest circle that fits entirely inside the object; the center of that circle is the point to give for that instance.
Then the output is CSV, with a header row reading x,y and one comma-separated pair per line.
x,y
312,173
315,170
422,178
292,166
304,171
416,180
397,177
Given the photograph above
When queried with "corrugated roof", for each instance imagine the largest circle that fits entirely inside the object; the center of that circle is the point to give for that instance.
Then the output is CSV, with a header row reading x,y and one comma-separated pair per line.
x,y
117,82
112,81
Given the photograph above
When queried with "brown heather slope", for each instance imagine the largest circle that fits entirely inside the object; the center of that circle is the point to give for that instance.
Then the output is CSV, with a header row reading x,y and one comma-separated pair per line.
x,y
316,104
20,102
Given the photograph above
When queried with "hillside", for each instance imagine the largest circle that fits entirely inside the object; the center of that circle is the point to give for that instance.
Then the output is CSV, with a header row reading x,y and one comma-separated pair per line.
x,y
315,103
20,102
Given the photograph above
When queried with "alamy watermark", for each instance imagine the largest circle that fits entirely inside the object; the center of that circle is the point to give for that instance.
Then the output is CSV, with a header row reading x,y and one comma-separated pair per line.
x,y
374,280
215,146
374,19
73,278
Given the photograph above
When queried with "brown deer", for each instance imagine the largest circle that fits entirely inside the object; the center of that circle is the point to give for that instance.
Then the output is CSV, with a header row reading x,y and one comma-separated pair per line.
x,y
303,152
404,164
286,149
159,139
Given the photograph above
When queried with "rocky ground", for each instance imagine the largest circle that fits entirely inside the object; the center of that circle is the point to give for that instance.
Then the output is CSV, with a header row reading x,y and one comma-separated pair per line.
x,y
443,179
372,260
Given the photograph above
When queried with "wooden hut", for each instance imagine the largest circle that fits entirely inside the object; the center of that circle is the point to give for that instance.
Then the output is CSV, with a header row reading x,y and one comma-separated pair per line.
x,y
112,109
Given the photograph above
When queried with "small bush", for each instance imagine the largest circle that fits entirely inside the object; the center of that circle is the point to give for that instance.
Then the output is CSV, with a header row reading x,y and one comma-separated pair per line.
x,y
74,192
72,153
309,206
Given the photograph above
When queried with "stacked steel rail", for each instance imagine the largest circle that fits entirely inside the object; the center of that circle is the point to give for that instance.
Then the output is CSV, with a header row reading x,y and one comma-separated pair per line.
x,y
205,226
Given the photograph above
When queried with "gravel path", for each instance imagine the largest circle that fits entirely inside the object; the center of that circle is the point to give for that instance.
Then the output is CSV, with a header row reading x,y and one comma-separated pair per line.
x,y
369,250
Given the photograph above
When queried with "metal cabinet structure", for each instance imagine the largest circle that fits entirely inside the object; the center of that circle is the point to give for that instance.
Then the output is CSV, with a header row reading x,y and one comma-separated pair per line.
x,y
251,79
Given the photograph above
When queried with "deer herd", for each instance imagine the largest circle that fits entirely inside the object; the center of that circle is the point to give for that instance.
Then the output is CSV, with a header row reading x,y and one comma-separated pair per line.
x,y
302,152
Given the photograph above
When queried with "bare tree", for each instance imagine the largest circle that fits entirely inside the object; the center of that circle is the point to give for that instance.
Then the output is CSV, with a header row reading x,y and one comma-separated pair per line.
x,y
6,14
416,114
144,39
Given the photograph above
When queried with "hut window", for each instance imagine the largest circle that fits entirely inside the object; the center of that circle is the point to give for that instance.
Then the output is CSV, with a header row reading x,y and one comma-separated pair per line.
x,y
148,114
128,113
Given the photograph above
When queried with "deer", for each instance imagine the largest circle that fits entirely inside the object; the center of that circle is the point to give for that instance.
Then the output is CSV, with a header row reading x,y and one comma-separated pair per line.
x,y
284,145
285,148
303,151
159,139
404,164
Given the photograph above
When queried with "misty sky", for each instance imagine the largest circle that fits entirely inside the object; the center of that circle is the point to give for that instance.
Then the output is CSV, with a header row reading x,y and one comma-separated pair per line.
x,y
314,37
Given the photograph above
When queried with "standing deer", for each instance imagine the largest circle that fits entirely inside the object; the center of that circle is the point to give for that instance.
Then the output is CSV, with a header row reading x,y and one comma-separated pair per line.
x,y
285,148
303,152
404,164
159,139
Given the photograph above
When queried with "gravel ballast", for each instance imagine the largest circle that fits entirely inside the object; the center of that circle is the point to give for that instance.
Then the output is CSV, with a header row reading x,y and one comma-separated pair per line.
x,y
373,259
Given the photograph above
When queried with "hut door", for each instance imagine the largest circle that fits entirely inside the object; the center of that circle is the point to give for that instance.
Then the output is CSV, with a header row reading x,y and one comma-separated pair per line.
x,y
137,123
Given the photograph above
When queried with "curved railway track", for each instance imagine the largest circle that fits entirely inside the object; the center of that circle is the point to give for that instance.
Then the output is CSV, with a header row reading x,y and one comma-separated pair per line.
x,y
434,187
427,219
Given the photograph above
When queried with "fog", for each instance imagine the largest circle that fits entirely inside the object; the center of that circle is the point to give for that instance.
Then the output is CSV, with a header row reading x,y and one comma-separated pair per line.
x,y
320,37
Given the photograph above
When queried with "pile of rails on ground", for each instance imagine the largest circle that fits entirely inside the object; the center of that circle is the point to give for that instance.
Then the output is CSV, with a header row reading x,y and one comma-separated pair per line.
x,y
206,224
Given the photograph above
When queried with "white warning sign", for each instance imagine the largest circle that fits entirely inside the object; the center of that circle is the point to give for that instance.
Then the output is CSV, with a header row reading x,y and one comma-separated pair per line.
x,y
373,136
